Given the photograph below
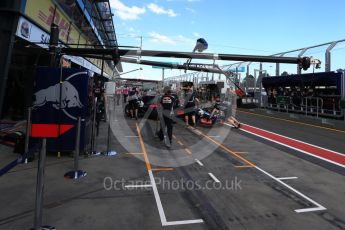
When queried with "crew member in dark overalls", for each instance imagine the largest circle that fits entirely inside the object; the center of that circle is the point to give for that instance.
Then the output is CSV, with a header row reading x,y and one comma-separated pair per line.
x,y
216,107
168,101
133,103
98,90
189,107
100,105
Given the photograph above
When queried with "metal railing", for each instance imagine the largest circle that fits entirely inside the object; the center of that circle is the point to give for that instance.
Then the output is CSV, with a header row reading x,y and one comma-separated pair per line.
x,y
308,106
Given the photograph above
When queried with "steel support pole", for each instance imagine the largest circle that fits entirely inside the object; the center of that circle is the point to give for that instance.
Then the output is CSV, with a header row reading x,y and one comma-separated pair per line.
x,y
77,149
163,78
28,132
109,128
238,80
40,187
76,173
176,54
214,62
278,66
248,69
328,56
93,128
260,83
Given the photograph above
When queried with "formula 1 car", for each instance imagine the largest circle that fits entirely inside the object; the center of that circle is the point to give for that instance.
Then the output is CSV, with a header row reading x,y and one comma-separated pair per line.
x,y
144,104
203,116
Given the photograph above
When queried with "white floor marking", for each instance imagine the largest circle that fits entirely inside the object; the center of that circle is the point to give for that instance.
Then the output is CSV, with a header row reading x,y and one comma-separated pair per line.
x,y
213,177
287,178
309,209
161,210
131,136
319,206
139,186
197,221
157,198
214,136
199,162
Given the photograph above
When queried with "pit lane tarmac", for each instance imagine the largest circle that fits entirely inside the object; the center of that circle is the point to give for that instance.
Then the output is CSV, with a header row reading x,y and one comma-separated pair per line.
x,y
241,184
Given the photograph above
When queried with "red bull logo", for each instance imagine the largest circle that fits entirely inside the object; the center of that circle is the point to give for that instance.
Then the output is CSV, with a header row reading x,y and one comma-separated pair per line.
x,y
69,98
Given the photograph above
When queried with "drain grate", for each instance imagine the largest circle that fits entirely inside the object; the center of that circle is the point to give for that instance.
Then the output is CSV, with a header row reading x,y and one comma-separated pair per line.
x,y
248,218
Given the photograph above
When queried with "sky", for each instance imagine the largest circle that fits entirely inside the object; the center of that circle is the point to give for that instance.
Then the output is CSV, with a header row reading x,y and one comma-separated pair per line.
x,y
250,27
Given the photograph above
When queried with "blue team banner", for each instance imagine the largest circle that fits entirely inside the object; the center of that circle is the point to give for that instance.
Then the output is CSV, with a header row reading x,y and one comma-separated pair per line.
x,y
60,97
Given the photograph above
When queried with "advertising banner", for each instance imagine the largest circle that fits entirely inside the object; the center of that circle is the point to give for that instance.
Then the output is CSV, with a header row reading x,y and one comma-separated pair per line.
x,y
43,12
51,108
32,33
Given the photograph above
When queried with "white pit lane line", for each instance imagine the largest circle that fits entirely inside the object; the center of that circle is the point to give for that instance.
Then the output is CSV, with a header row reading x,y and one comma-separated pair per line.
x,y
214,178
319,206
199,162
156,193
161,210
287,178
139,186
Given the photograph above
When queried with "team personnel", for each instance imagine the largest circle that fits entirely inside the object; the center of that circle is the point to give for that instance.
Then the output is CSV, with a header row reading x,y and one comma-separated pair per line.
x,y
133,103
189,106
98,90
118,95
168,102
229,111
100,105
234,122
216,107
125,92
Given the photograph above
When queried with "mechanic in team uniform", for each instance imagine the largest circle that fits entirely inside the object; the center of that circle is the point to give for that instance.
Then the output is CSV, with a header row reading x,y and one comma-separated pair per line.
x,y
189,106
216,107
133,103
168,102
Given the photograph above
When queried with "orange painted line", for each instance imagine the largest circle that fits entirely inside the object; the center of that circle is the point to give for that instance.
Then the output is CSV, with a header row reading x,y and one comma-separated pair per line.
x,y
135,153
163,169
228,150
148,164
188,151
180,143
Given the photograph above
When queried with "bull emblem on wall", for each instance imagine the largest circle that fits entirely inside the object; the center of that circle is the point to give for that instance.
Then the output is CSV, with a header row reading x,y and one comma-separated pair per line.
x,y
69,99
